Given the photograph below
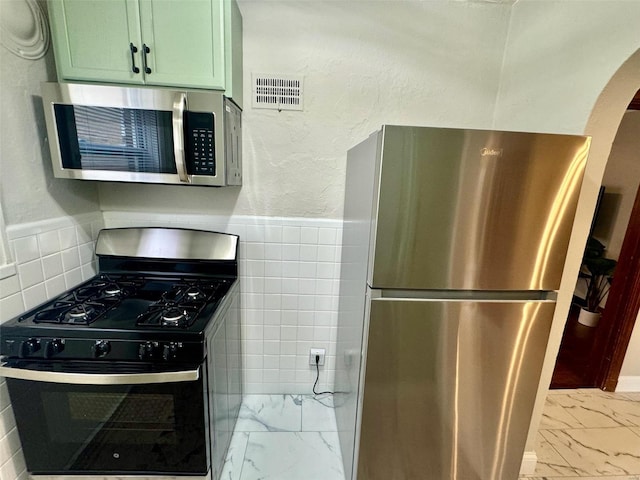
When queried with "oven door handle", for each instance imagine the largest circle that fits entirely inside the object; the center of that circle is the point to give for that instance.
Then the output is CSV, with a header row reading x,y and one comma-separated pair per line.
x,y
99,379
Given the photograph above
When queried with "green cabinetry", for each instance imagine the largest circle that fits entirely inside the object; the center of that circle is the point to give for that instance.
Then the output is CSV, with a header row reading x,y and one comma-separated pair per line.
x,y
177,43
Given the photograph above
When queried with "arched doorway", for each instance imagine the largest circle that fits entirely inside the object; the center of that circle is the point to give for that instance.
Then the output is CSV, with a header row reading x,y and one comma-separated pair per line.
x,y
592,356
618,321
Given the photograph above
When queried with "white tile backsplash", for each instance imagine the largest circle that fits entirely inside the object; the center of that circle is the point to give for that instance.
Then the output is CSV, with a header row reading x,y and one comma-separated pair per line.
x,y
68,237
86,251
48,260
34,295
12,305
73,277
30,273
26,249
52,265
49,242
9,286
273,234
71,258
291,235
309,235
14,468
48,263
10,444
12,464
55,286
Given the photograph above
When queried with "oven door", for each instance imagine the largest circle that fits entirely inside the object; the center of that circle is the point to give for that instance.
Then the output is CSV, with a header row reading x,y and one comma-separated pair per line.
x,y
83,418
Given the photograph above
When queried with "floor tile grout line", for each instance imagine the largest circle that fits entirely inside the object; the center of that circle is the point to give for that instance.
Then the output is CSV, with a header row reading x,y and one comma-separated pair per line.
x,y
581,472
244,455
566,409
573,467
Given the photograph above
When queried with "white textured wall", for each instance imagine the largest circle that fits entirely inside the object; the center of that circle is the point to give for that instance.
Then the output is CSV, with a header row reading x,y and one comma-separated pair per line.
x,y
365,64
28,190
559,58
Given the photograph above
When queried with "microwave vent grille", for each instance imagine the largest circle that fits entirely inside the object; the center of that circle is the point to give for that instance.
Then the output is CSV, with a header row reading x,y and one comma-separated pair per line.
x,y
278,92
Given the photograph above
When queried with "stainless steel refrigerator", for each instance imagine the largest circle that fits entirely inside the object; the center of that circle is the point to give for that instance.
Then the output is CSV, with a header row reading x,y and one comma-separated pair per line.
x,y
453,247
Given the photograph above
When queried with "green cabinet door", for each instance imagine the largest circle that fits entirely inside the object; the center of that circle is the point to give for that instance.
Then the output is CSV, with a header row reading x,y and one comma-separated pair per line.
x,y
91,39
185,41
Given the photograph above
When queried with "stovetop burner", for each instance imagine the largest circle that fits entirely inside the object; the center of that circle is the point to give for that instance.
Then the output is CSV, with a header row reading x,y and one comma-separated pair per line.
x,y
182,303
82,310
89,302
106,286
173,316
112,289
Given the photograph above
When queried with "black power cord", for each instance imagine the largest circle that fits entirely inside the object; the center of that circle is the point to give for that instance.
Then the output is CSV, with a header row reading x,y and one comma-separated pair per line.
x,y
317,378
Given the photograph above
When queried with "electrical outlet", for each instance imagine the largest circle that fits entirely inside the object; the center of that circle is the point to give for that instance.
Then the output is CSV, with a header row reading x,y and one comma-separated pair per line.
x,y
312,356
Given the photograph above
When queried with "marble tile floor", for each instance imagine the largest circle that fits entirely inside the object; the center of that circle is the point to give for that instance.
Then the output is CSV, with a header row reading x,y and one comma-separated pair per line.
x,y
585,434
588,434
285,437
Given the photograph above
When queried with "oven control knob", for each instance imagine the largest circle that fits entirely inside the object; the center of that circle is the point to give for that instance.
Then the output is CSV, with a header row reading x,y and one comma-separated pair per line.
x,y
53,347
169,351
146,350
29,347
100,348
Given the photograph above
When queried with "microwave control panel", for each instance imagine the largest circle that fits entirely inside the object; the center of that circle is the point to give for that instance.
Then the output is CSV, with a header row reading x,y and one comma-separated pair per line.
x,y
200,143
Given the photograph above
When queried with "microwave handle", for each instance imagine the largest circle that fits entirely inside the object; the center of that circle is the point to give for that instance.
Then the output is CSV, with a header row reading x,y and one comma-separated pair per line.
x,y
99,379
179,106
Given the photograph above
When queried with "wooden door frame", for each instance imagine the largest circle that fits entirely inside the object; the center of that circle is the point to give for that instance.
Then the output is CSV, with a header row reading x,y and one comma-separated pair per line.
x,y
619,317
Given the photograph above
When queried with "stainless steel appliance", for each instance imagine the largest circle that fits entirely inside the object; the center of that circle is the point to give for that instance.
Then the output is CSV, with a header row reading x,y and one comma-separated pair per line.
x,y
150,135
454,243
137,371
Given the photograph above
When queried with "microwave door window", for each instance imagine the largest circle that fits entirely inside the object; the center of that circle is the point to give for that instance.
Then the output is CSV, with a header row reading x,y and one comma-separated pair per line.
x,y
115,139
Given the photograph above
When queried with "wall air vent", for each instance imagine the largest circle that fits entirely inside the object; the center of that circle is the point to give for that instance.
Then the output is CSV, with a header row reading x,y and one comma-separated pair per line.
x,y
277,92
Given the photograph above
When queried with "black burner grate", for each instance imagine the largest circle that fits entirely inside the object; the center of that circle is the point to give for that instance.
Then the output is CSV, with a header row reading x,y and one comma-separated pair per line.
x,y
88,303
181,305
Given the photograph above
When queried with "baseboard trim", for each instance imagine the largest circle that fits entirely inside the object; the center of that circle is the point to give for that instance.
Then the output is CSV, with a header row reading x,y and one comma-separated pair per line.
x,y
529,462
628,384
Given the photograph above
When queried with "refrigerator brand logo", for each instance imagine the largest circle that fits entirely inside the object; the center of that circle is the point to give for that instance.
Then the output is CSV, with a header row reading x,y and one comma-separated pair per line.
x,y
491,152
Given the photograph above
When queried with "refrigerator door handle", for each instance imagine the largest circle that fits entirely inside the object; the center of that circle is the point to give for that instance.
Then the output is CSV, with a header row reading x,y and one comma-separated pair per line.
x,y
469,295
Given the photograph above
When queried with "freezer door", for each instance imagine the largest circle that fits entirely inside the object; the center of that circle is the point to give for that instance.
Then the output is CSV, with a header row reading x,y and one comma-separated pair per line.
x,y
474,209
449,388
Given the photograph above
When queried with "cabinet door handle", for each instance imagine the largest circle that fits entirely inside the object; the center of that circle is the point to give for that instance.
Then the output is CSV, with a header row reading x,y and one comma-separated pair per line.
x,y
145,50
133,49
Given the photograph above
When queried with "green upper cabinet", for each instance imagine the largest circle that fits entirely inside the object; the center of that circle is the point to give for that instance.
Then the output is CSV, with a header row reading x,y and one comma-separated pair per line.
x,y
92,39
185,42
176,43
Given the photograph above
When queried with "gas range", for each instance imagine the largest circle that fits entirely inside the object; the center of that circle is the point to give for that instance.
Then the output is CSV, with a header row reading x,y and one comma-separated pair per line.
x,y
136,371
121,317
142,306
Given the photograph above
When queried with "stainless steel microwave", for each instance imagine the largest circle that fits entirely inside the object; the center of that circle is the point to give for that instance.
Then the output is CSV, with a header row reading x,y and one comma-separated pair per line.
x,y
146,135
